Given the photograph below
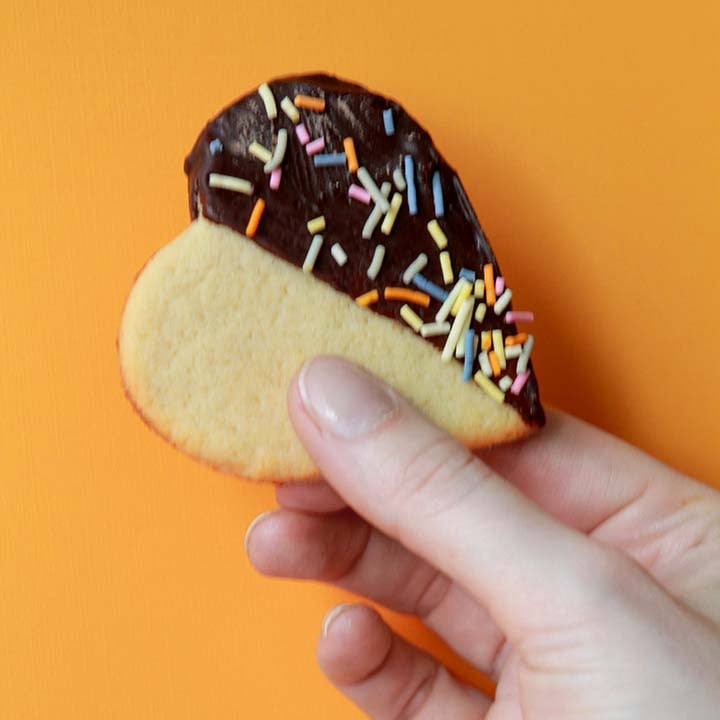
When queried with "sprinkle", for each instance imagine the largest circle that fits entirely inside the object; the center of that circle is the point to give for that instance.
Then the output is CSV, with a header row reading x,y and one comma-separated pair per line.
x,y
339,255
433,290
438,199
302,134
260,152
437,234
479,288
494,363
414,268
352,161
485,363
519,316
519,383
469,275
229,182
388,122
460,347
446,266
279,153
523,360
316,225
358,193
469,356
255,216
312,253
499,285
315,146
480,312
268,100
215,146
391,214
444,311
376,263
463,295
485,339
369,184
513,351
489,387
399,180
503,301
456,330
476,342
505,382
289,109
308,102
376,213
411,296
435,329
329,159
489,276
411,318
499,347
518,339
410,180
368,298
275,177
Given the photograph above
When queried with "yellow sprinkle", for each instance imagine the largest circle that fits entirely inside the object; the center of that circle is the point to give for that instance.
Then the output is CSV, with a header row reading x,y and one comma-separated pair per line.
x,y
460,347
485,340
489,387
260,152
230,182
368,298
268,100
479,288
444,311
446,266
289,109
499,347
391,214
458,326
480,312
411,318
316,225
463,295
437,234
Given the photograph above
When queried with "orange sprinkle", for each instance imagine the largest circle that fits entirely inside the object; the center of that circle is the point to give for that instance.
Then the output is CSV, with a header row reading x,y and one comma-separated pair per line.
x,y
494,363
411,296
518,339
310,103
255,216
486,340
352,161
368,298
489,276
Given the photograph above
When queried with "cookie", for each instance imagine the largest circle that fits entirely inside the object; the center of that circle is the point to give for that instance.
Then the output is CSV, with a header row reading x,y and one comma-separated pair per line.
x,y
324,220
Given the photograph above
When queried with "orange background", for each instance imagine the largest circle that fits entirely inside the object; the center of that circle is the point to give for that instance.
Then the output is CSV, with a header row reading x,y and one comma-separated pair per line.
x,y
589,142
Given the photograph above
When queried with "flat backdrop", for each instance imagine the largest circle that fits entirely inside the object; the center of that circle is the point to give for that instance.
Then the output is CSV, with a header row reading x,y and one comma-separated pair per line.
x,y
589,140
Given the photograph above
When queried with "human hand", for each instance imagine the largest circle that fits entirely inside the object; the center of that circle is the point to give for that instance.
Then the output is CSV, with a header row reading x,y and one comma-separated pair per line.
x,y
579,573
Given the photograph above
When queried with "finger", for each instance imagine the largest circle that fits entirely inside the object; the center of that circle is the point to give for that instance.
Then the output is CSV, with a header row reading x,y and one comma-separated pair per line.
x,y
387,677
414,482
342,549
311,497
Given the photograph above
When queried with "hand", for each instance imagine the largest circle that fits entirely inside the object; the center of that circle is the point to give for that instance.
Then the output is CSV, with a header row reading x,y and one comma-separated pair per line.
x,y
579,573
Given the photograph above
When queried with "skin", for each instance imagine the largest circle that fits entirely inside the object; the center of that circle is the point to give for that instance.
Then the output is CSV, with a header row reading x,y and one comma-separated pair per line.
x,y
578,572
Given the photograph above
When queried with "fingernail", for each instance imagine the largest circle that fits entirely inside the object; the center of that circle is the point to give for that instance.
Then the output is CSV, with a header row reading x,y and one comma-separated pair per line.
x,y
332,616
343,398
253,525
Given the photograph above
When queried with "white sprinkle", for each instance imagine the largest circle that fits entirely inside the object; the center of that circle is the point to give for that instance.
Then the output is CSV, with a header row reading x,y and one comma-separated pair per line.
x,y
376,213
460,347
456,330
502,302
524,358
485,363
399,179
229,182
504,383
260,152
338,254
480,312
279,154
312,253
435,329
376,263
391,214
513,351
268,100
499,347
369,184
288,107
414,268
446,307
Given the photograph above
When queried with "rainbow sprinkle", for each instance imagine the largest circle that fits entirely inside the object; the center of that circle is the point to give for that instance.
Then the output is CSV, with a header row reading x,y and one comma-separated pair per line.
x,y
279,154
489,387
414,268
516,316
359,194
376,213
316,225
467,274
339,255
430,288
312,253
437,234
315,146
399,180
391,215
255,216
229,182
302,134
410,182
446,267
349,147
275,177
329,159
519,382
469,355
368,298
438,200
411,296
411,318
260,152
502,302
435,329
388,122
307,102
376,262
290,110
379,198
268,100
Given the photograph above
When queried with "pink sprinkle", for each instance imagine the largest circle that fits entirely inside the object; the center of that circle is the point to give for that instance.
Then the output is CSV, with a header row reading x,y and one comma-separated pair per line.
x,y
275,176
519,316
519,382
302,134
499,284
358,193
315,146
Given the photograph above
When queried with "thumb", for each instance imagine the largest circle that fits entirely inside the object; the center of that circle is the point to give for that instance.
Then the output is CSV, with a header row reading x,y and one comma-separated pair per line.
x,y
417,484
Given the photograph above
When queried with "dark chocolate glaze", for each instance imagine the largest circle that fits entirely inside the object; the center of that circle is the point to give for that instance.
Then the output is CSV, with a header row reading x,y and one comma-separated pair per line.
x,y
306,192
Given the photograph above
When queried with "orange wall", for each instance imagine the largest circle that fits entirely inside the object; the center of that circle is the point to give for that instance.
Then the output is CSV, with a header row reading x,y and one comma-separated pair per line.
x,y
589,142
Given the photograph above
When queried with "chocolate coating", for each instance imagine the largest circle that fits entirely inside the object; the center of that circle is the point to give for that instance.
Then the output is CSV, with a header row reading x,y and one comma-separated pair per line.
x,y
306,192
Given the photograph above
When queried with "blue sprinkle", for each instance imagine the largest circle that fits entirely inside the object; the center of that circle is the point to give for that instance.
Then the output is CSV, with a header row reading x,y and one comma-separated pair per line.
x,y
469,355
438,199
468,274
433,290
329,159
215,146
410,181
388,122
